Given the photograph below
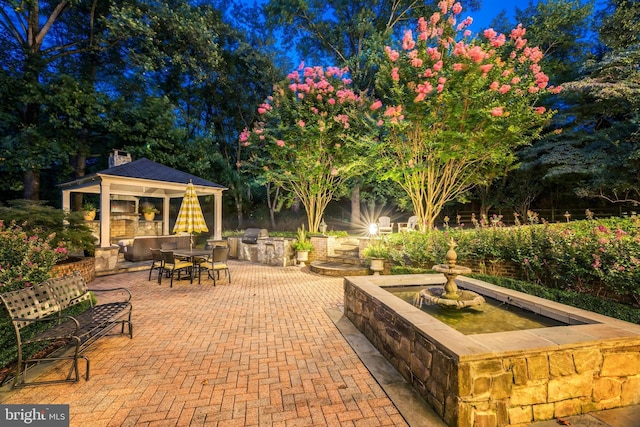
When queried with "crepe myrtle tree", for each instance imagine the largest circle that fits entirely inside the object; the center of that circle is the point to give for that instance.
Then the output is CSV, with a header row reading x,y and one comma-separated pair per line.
x,y
311,137
455,107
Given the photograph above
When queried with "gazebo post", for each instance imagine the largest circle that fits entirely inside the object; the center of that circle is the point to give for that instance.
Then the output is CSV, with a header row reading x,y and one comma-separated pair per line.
x,y
165,215
105,215
217,213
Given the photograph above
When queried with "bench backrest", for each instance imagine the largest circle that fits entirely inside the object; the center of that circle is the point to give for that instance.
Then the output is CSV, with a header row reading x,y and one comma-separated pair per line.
x,y
69,290
33,302
46,298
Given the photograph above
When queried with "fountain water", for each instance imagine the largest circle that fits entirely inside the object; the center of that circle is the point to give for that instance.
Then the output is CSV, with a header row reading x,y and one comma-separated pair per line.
x,y
449,296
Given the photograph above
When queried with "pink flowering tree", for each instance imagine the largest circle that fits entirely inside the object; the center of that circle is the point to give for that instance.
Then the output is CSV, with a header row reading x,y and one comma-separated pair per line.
x,y
310,137
455,107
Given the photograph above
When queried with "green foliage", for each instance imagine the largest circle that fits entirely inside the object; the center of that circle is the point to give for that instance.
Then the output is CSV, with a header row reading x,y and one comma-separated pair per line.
x,y
67,228
598,257
25,257
376,249
302,244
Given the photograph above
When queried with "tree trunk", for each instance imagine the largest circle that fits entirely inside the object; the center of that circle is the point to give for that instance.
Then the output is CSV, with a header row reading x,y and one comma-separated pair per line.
x,y
355,207
80,166
31,190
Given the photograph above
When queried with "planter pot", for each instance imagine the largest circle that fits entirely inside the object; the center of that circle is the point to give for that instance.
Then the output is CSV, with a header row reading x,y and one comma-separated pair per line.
x,y
149,216
302,257
377,266
89,215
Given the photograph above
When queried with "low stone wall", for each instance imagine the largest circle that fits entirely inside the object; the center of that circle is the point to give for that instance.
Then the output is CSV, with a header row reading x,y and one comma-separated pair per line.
x,y
506,378
275,251
86,267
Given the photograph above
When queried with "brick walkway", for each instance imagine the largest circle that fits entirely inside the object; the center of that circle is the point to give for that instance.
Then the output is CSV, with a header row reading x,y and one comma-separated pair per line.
x,y
258,351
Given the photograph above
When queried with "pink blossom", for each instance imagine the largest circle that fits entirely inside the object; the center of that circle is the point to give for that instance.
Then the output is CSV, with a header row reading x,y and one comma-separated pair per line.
x,y
334,171
314,110
504,89
517,32
490,33
494,85
280,143
457,8
444,6
392,54
422,24
331,101
376,105
497,112
301,123
457,67
515,80
485,68
476,54
520,43
467,33
394,74
435,18
407,41
499,40
416,62
437,66
244,135
540,110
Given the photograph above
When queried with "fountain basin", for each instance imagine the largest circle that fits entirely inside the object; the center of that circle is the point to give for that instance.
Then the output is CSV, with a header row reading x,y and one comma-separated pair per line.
x,y
500,378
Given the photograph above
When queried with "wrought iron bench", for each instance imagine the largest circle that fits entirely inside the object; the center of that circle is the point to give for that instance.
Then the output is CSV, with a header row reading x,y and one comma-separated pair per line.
x,y
43,305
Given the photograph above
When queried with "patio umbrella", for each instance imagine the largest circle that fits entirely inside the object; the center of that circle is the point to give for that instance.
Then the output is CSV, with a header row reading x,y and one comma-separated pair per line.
x,y
190,218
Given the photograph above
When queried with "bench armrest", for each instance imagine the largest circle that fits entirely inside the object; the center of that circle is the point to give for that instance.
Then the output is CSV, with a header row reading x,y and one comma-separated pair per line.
x,y
127,291
48,319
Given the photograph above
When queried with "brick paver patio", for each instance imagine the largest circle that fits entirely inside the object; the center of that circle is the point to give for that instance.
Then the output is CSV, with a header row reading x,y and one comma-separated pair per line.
x,y
258,351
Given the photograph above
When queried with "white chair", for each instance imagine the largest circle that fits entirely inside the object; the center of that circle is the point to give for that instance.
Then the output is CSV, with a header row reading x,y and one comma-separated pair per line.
x,y
385,226
410,225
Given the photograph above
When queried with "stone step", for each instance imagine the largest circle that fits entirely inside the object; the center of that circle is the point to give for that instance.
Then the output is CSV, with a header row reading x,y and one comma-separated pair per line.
x,y
347,252
338,269
345,259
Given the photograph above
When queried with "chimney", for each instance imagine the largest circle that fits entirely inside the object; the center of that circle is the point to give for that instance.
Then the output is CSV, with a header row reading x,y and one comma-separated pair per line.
x,y
118,158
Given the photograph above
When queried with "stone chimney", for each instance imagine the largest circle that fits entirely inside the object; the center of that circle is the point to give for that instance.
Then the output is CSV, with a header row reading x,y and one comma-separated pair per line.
x,y
118,158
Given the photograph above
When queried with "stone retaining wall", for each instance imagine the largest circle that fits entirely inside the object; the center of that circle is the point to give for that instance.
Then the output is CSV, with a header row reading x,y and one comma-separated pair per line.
x,y
270,251
86,267
468,382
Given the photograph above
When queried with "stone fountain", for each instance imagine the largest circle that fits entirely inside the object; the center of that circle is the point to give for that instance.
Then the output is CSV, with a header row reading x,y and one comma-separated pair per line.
x,y
450,297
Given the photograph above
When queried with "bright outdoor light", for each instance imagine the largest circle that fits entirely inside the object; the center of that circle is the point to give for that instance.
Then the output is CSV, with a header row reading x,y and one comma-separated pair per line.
x,y
373,229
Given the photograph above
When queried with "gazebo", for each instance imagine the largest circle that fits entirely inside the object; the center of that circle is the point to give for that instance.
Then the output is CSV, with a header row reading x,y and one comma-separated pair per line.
x,y
132,180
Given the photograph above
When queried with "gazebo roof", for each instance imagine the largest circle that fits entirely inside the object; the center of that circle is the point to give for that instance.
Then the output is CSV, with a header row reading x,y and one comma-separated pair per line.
x,y
143,178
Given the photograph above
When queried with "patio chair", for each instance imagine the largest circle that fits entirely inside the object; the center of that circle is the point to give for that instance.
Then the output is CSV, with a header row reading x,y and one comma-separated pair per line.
x,y
217,263
410,225
156,262
385,226
171,264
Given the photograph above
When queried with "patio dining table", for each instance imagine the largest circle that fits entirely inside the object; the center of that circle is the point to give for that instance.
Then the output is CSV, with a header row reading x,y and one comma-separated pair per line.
x,y
193,255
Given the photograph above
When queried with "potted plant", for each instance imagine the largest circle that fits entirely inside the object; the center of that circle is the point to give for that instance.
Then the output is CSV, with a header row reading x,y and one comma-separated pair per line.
x,y
376,252
302,247
149,211
89,211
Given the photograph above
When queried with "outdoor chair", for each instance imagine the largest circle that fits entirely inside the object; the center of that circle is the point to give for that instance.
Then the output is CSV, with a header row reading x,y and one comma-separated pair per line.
x,y
171,265
217,263
156,262
385,226
410,225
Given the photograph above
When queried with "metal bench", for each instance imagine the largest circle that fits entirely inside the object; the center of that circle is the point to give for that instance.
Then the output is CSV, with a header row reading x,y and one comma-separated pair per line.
x,y
43,304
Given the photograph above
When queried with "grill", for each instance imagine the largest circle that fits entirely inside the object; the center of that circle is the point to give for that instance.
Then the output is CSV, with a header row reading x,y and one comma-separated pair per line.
x,y
251,235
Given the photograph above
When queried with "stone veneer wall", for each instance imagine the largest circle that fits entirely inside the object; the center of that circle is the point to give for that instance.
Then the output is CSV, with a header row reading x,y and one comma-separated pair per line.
x,y
270,251
500,389
86,267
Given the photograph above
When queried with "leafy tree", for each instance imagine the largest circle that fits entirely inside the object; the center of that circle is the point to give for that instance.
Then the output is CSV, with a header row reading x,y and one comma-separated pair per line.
x,y
310,138
456,107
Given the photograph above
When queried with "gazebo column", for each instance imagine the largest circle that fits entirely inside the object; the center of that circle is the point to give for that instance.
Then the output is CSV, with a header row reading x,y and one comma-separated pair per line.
x,y
217,212
105,215
66,200
165,215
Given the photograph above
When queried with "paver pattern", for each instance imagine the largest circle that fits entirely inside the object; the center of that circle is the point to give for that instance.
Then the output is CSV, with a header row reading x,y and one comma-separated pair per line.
x,y
257,352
